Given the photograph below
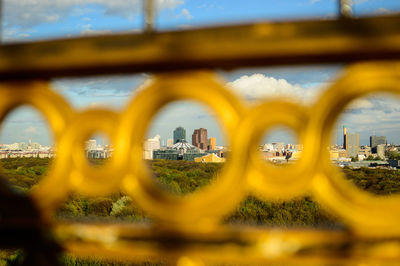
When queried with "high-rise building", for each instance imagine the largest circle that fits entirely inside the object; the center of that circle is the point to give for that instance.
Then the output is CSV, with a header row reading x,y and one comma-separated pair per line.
x,y
212,143
380,150
351,142
179,134
199,138
374,141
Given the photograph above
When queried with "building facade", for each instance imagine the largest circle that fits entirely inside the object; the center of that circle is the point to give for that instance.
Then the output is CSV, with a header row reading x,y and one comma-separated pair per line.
x,y
149,146
380,150
179,134
278,146
199,138
91,145
179,151
212,143
374,141
351,142
170,142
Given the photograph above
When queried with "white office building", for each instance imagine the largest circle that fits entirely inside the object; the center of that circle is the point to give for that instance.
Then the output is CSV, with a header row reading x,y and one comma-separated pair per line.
x,y
149,146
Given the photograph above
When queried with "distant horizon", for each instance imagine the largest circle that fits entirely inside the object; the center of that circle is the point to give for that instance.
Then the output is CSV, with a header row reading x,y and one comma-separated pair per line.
x,y
368,116
43,20
279,135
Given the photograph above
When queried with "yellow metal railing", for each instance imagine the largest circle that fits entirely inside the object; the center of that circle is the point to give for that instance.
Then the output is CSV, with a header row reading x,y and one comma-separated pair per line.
x,y
188,230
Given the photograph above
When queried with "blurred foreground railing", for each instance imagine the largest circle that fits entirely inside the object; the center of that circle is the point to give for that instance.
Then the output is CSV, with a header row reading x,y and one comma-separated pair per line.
x,y
188,231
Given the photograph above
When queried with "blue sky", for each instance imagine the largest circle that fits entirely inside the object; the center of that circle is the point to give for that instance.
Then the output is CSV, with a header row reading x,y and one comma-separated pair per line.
x,y
27,20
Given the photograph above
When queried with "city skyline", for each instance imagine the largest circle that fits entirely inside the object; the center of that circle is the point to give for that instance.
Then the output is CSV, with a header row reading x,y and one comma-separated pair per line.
x,y
25,127
26,21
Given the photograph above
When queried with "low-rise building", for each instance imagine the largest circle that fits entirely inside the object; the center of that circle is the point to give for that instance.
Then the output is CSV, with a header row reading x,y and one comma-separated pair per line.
x,y
181,150
209,158
394,163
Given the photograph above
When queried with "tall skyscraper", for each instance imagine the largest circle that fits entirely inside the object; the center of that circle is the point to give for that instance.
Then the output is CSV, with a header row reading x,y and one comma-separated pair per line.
x,y
351,142
179,134
199,138
374,141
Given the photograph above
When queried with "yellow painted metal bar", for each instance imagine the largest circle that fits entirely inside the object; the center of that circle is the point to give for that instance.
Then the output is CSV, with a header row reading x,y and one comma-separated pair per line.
x,y
226,47
227,245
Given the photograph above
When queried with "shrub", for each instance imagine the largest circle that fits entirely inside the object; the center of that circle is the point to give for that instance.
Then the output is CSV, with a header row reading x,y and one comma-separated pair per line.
x,y
121,207
125,208
75,206
99,206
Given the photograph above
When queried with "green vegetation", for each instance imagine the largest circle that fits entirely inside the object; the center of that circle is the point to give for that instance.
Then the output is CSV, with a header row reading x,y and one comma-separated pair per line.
x,y
393,155
376,181
24,173
11,257
72,261
372,158
180,178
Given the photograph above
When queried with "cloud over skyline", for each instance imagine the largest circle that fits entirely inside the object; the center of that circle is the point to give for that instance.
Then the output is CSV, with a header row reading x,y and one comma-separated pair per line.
x,y
260,87
372,115
26,20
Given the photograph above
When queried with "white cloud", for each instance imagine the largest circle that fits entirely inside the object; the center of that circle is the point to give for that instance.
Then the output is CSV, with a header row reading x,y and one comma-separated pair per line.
x,y
361,104
87,30
384,11
11,35
31,131
185,13
259,86
29,13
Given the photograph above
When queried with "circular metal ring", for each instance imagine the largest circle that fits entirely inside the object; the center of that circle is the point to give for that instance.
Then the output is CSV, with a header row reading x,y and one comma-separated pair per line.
x,y
84,177
265,180
207,205
367,214
57,112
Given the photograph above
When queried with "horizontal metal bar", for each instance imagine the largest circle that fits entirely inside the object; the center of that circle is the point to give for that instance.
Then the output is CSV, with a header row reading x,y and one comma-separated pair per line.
x,y
138,242
226,245
226,47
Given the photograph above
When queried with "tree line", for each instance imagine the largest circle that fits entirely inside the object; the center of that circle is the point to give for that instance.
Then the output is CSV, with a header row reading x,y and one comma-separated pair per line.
x,y
183,177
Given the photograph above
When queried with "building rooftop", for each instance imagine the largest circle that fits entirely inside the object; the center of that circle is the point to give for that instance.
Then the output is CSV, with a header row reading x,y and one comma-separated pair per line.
x,y
183,144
